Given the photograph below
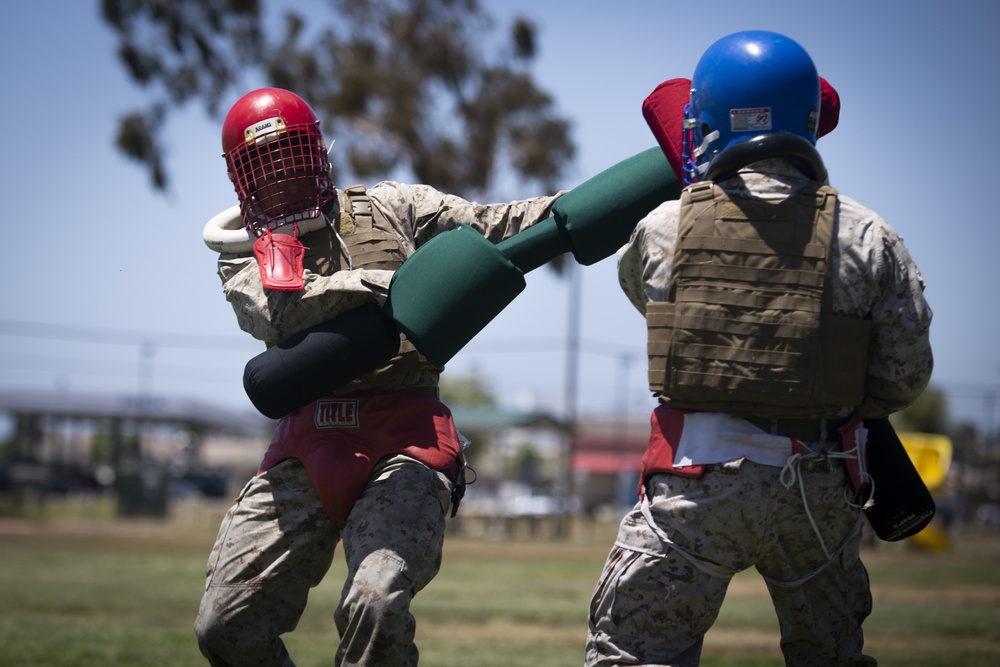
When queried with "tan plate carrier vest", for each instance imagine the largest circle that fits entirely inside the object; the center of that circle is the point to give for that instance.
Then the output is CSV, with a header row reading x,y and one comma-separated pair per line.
x,y
748,328
372,243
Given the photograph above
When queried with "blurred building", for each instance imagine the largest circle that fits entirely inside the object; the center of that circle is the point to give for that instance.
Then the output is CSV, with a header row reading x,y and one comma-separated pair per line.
x,y
141,449
145,451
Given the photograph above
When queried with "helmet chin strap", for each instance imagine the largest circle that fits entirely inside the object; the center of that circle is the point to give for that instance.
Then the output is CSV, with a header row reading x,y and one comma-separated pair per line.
x,y
784,145
225,232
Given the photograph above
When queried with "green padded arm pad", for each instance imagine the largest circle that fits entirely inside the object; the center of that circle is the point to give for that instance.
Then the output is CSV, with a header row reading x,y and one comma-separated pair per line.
x,y
536,245
600,214
597,217
449,289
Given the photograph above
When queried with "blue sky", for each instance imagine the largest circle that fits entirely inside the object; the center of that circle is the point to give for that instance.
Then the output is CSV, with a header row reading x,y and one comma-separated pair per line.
x,y
108,287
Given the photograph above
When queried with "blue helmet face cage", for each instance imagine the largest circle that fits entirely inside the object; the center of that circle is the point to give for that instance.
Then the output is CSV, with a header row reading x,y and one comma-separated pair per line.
x,y
694,145
747,84
689,163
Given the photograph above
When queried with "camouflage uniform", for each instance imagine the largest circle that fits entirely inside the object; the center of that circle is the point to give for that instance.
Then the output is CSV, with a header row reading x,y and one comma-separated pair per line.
x,y
367,486
758,504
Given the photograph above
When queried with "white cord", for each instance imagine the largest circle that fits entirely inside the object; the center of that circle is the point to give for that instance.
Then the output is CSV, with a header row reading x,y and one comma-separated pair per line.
x,y
343,245
791,473
708,567
860,452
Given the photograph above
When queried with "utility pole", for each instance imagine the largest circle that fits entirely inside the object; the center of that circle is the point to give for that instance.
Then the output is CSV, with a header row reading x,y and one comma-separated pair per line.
x,y
572,373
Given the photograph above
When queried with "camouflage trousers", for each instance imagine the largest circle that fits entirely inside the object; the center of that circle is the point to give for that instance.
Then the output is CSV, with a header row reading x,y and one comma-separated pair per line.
x,y
277,542
676,552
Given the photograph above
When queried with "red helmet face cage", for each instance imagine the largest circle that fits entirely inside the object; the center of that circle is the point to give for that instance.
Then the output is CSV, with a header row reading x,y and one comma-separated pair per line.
x,y
277,160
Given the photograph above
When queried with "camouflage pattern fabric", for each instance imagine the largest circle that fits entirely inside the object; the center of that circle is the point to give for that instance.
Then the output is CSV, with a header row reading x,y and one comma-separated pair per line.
x,y
277,542
667,574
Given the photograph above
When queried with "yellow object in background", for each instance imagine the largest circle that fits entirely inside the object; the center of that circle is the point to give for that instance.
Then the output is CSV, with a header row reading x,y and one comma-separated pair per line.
x,y
931,456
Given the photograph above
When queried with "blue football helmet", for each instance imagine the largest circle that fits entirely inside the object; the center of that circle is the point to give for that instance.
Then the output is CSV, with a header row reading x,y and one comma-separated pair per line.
x,y
745,85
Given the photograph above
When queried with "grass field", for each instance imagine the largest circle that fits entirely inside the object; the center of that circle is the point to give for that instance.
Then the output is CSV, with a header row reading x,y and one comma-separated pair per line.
x,y
93,592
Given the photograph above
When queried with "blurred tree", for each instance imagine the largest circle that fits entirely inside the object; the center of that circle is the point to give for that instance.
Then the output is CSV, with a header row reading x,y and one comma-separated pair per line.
x,y
526,465
471,390
401,83
928,414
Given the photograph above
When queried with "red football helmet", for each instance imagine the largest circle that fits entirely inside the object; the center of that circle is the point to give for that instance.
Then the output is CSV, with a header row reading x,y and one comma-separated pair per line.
x,y
276,159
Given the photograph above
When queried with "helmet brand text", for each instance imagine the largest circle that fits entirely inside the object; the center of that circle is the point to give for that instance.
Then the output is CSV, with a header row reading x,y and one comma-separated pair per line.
x,y
264,130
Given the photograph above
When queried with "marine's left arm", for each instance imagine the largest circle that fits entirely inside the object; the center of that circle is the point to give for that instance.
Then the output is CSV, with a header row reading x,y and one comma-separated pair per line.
x,y
645,262
900,360
435,211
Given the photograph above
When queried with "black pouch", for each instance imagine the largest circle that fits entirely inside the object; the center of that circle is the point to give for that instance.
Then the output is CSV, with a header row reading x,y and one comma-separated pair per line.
x,y
896,500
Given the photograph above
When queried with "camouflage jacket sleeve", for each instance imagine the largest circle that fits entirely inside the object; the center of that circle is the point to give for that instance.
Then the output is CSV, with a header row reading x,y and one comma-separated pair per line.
x,y
420,212
878,279
645,262
272,316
